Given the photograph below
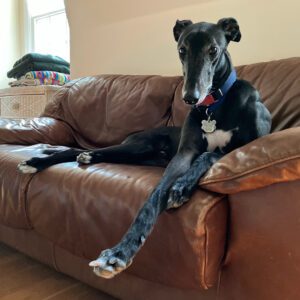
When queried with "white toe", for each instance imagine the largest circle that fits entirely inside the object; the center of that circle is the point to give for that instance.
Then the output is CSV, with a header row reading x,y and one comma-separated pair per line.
x,y
108,266
84,158
26,169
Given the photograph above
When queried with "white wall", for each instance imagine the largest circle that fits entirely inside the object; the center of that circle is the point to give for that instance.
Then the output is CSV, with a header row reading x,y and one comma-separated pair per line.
x,y
10,38
135,36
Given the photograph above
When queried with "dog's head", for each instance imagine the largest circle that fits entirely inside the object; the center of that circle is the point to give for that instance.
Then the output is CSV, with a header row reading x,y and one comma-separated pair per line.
x,y
201,48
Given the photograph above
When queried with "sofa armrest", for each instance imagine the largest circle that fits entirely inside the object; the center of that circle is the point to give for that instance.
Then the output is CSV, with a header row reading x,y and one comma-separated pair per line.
x,y
273,158
262,259
33,131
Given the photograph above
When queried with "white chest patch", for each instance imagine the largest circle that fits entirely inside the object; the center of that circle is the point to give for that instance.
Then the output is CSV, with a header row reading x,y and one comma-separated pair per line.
x,y
217,139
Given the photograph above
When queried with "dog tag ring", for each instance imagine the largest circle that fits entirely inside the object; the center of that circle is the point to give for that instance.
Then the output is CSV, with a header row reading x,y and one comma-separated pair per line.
x,y
208,126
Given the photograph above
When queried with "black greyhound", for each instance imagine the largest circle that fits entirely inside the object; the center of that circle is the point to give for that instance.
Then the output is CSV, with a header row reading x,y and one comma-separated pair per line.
x,y
226,114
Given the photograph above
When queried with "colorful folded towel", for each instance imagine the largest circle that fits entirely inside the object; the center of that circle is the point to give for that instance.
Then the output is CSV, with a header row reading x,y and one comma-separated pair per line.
x,y
37,57
59,77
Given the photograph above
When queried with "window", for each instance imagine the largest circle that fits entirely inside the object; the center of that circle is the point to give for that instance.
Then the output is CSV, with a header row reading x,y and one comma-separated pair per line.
x,y
48,28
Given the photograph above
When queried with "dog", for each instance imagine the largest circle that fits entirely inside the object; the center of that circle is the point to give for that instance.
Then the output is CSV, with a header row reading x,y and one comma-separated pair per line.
x,y
226,113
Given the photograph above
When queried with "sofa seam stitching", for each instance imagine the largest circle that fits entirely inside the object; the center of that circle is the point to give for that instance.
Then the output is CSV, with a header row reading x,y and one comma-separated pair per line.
x,y
54,257
25,195
204,281
170,118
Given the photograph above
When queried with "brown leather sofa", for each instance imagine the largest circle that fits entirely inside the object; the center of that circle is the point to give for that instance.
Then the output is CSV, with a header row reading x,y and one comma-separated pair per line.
x,y
238,238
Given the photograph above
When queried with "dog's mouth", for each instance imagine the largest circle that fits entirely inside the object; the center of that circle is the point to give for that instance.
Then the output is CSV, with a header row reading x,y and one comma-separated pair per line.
x,y
200,101
195,96
195,101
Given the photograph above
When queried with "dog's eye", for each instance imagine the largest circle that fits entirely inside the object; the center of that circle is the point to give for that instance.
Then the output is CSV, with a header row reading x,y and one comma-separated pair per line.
x,y
213,51
182,51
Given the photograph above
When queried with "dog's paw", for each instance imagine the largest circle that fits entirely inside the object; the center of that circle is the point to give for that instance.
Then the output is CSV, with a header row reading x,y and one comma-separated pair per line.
x,y
110,263
24,168
178,195
84,158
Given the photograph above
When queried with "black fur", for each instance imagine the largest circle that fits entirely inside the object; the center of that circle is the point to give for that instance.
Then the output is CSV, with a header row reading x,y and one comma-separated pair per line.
x,y
185,152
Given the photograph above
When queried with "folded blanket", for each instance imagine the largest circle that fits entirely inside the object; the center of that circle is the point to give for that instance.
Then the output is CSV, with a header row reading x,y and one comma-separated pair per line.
x,y
25,82
37,57
60,77
33,82
24,67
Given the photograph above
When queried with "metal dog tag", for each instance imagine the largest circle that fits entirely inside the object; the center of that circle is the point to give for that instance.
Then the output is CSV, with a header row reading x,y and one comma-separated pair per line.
x,y
209,126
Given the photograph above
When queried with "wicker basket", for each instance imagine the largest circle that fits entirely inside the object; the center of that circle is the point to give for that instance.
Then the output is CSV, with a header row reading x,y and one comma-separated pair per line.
x,y
25,102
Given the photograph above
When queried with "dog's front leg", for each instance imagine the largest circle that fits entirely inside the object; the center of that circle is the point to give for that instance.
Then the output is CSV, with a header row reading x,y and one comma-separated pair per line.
x,y
113,261
185,185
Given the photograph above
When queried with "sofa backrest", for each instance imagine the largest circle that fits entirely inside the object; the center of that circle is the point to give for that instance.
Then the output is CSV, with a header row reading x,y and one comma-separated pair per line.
x,y
103,110
279,85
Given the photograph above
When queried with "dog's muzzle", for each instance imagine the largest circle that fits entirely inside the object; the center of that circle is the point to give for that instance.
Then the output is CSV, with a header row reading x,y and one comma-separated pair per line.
x,y
191,98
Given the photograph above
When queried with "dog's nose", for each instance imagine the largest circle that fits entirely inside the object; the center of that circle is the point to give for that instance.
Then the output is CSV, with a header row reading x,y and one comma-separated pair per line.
x,y
191,97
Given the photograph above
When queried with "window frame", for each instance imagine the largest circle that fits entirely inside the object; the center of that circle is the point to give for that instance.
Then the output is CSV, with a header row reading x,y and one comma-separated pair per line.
x,y
29,24
41,16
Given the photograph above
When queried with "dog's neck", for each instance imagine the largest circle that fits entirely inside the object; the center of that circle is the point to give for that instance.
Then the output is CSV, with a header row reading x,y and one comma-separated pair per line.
x,y
223,70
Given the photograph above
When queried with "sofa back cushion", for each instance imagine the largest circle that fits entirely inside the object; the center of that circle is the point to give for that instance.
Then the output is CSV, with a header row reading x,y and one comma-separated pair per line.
x,y
279,85
103,110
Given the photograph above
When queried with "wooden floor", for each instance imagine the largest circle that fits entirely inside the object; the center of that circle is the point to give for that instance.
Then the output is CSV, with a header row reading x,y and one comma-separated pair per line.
x,y
22,278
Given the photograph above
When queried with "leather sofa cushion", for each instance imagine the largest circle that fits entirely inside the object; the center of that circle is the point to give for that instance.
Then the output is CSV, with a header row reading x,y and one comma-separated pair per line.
x,y
278,82
103,110
87,209
14,185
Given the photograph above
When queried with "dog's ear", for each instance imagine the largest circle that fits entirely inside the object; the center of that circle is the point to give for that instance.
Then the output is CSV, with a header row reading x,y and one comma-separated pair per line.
x,y
231,28
179,27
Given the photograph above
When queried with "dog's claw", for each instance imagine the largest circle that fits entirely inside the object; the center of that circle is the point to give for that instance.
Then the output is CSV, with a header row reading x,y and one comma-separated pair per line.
x,y
108,264
24,168
84,158
177,196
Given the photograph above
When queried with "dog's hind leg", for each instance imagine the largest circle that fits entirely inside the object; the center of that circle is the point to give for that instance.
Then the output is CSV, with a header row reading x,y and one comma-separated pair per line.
x,y
37,164
155,147
131,153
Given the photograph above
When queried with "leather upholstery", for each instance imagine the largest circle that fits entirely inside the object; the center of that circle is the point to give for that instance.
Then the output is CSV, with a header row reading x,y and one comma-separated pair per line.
x,y
13,186
33,131
104,110
95,205
125,286
78,211
263,257
278,83
270,159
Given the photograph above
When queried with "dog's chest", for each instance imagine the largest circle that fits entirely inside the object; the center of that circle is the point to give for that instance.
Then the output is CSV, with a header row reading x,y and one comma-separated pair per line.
x,y
218,139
